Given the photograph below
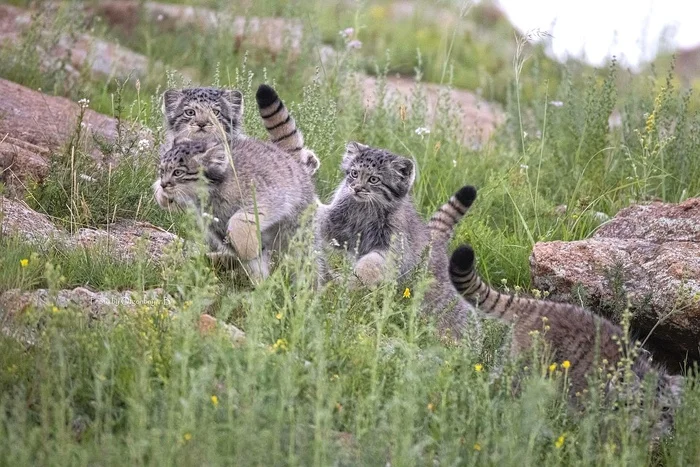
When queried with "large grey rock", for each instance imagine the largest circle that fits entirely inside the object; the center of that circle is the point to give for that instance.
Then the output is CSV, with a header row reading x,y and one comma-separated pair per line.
x,y
275,35
651,253
72,52
125,238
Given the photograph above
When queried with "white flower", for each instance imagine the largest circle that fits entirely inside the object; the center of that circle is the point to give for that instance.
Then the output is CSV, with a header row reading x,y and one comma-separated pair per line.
x,y
87,178
335,243
524,166
556,103
454,163
143,145
420,131
354,44
347,32
84,102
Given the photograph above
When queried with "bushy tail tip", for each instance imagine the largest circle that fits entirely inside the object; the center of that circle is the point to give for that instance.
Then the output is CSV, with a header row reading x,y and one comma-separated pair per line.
x,y
466,195
463,258
266,96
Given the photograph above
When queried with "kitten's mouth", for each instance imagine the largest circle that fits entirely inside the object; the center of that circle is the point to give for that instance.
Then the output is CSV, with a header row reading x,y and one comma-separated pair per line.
x,y
361,196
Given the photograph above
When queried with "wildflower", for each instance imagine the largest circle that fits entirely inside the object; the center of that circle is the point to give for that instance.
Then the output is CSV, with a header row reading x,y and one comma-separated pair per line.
x,y
407,293
347,32
478,367
477,447
354,44
335,377
84,102
421,131
552,367
281,344
556,103
187,436
566,364
54,309
24,262
215,400
559,442
524,166
454,163
278,316
431,407
87,178
143,145
338,406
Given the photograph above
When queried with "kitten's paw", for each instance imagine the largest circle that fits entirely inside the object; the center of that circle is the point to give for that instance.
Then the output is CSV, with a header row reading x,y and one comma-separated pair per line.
x,y
243,234
370,269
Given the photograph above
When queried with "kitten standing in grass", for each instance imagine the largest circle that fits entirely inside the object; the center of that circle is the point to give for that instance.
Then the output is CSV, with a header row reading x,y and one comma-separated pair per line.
x,y
257,174
573,333
373,221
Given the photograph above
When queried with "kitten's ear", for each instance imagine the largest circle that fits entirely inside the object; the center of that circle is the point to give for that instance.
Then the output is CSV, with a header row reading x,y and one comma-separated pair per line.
x,y
214,161
352,150
234,99
406,170
171,100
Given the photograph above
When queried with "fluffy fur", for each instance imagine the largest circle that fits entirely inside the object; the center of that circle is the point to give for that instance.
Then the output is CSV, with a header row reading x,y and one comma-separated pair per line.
x,y
372,218
198,113
255,189
573,333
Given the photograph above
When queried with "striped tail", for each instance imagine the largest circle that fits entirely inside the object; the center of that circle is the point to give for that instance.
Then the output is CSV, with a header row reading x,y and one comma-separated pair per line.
x,y
468,283
441,224
283,129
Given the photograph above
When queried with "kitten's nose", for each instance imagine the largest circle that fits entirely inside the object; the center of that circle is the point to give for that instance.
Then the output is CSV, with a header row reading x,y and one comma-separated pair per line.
x,y
202,124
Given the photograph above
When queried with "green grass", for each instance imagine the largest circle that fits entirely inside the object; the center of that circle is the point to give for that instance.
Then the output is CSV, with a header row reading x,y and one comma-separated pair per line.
x,y
330,377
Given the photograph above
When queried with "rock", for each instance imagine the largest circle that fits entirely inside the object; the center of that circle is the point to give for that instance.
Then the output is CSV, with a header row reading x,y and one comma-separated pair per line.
x,y
479,118
35,126
651,253
208,325
125,238
275,35
15,302
74,52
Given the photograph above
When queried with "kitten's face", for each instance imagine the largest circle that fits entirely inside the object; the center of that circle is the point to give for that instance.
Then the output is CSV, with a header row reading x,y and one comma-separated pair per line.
x,y
375,175
202,112
180,168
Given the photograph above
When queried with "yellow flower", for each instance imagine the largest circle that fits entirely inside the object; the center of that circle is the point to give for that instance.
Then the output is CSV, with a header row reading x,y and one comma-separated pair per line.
x,y
281,344
24,262
478,367
187,436
559,442
215,400
278,316
552,367
477,447
565,364
54,309
431,407
407,293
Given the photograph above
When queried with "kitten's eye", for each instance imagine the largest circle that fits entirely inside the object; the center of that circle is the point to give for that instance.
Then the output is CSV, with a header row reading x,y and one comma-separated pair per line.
x,y
178,173
189,112
216,112
374,180
353,173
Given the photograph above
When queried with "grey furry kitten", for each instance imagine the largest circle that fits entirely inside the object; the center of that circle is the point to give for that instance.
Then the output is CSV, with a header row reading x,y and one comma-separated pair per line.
x,y
373,221
573,333
249,183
